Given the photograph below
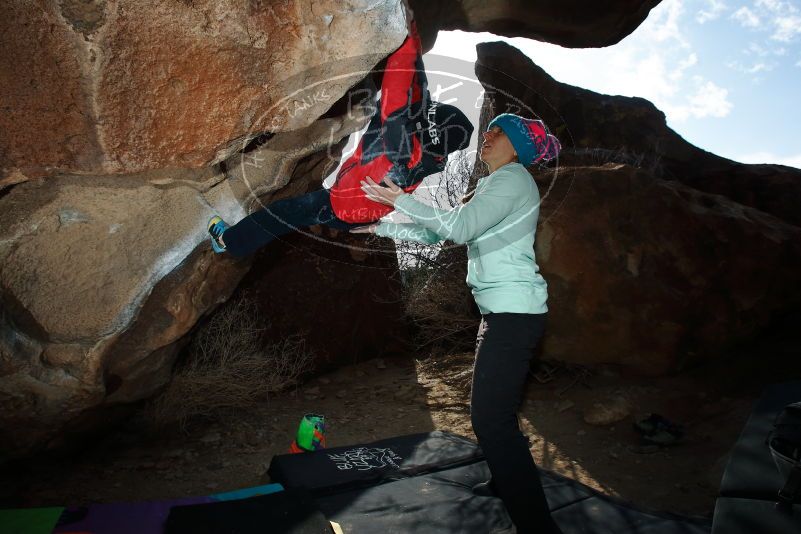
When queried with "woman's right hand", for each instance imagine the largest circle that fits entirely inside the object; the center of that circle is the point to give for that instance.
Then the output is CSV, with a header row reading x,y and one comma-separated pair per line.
x,y
369,229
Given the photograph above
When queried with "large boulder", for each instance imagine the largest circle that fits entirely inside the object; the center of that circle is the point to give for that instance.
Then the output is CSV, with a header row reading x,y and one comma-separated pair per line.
x,y
103,276
122,86
654,275
340,292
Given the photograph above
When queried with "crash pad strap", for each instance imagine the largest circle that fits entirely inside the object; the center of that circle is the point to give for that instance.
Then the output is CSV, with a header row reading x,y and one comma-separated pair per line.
x,y
285,512
750,516
791,491
750,472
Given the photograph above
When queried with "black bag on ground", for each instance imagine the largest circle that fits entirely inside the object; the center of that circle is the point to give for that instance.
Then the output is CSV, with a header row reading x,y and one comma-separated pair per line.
x,y
346,468
785,447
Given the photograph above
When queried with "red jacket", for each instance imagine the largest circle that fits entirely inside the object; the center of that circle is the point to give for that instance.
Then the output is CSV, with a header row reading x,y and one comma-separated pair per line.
x,y
392,143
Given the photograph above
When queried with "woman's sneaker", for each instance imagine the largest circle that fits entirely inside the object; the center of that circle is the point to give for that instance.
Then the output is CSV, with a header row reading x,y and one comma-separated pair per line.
x,y
216,228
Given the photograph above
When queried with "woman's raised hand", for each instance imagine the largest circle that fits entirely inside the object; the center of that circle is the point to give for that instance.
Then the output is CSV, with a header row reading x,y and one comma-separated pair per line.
x,y
384,194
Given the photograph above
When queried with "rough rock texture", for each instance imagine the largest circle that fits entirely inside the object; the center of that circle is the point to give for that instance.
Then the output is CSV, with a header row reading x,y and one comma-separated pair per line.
x,y
102,276
147,84
595,128
571,23
646,265
340,291
655,275
121,86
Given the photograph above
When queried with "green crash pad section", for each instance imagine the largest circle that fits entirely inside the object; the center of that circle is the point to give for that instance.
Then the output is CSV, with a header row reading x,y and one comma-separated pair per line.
x,y
29,521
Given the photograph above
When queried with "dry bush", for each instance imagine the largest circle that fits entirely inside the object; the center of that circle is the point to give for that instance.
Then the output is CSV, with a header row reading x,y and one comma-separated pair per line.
x,y
229,367
436,298
438,302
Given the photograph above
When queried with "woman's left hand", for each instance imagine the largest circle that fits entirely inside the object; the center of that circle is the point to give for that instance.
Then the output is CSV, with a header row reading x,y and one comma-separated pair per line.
x,y
378,193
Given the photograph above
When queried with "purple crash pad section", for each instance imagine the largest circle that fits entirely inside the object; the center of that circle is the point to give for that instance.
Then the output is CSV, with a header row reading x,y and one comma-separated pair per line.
x,y
140,517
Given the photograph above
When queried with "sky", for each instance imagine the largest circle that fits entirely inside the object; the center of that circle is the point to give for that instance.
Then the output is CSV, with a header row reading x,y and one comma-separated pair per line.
x,y
726,73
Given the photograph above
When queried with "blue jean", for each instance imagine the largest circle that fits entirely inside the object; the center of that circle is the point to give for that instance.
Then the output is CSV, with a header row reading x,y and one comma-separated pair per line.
x,y
281,218
504,347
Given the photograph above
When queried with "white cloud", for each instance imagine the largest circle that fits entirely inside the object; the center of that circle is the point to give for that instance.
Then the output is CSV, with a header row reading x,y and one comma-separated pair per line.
x,y
767,157
769,5
760,51
754,68
755,49
677,73
760,67
783,19
708,100
787,27
746,18
778,22
774,6
662,23
714,10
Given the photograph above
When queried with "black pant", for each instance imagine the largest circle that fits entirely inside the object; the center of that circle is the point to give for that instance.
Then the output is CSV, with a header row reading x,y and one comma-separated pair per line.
x,y
280,218
504,348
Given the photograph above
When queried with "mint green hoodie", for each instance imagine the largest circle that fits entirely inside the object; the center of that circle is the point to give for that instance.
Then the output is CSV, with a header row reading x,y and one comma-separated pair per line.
x,y
498,226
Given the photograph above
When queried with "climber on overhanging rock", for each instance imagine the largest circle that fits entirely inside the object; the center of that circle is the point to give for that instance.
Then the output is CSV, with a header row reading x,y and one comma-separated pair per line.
x,y
408,138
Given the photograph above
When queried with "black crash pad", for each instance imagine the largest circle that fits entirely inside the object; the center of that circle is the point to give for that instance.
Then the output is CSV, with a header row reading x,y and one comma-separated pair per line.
x,y
751,481
342,468
750,472
429,491
435,503
749,516
443,503
284,512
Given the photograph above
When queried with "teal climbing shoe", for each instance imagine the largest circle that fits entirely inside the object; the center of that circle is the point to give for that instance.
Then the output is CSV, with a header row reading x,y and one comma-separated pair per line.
x,y
216,228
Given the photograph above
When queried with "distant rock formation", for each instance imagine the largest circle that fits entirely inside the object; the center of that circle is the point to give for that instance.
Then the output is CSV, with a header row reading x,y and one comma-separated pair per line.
x,y
657,254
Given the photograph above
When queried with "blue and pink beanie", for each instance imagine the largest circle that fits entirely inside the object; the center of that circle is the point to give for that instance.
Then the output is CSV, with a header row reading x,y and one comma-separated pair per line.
x,y
529,137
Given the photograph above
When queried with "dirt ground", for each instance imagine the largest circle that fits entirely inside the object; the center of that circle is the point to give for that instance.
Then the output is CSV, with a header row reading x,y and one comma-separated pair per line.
x,y
383,398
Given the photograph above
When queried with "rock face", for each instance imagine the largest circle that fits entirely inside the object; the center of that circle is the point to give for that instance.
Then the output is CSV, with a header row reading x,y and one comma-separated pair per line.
x,y
335,290
146,84
120,86
598,128
652,260
655,275
102,276
572,24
